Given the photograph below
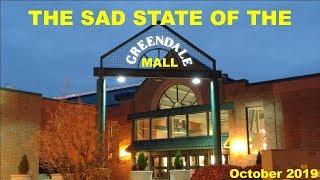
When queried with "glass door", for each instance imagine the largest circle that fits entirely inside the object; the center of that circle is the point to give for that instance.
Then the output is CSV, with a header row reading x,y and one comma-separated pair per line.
x,y
159,165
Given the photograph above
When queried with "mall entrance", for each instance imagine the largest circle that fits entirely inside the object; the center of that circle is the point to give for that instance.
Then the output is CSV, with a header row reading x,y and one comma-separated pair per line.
x,y
161,162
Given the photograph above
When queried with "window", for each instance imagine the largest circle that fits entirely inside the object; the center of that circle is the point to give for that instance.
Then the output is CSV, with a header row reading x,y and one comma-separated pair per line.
x,y
193,161
156,162
178,125
142,129
164,162
159,128
198,124
177,96
224,160
201,160
224,120
256,130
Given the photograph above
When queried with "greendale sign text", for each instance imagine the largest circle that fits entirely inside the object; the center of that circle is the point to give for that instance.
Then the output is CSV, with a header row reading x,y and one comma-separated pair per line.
x,y
147,43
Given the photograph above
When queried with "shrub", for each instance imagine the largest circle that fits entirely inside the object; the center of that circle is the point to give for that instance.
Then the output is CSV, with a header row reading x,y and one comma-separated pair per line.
x,y
219,172
23,165
178,163
142,162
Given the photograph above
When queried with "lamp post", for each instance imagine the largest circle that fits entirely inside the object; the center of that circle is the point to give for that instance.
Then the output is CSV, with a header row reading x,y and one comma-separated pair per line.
x,y
101,116
215,119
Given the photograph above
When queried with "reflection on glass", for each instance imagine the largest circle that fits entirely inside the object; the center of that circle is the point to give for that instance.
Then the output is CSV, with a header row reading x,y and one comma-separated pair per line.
x,y
178,126
212,159
224,119
159,128
164,162
156,162
201,160
256,129
198,124
193,160
141,129
177,96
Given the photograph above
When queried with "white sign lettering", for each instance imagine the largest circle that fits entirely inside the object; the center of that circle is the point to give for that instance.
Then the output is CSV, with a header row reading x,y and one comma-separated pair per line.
x,y
151,41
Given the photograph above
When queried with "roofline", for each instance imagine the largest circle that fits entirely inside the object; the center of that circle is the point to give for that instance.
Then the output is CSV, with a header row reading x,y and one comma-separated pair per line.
x,y
170,30
125,42
192,45
92,92
285,79
20,91
66,101
274,80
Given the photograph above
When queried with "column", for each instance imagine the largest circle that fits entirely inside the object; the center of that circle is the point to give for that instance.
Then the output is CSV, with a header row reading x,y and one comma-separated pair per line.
x,y
215,120
101,115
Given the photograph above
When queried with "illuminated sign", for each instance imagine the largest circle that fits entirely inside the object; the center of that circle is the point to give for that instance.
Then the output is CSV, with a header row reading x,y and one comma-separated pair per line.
x,y
150,42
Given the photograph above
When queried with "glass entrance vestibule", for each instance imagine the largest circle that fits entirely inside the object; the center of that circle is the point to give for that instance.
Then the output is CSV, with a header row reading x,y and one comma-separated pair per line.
x,y
161,162
160,134
192,121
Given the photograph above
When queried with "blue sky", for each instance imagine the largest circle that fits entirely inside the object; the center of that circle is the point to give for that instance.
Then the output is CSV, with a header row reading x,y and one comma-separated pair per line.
x,y
56,60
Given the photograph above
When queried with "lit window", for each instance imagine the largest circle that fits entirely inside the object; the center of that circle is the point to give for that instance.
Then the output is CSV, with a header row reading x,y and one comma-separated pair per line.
x,y
178,125
164,162
198,124
256,129
223,159
159,128
201,160
177,96
224,120
193,160
156,162
141,129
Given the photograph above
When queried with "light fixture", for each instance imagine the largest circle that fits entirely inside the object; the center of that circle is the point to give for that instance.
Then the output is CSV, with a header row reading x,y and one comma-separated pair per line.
x,y
123,153
121,79
238,146
196,80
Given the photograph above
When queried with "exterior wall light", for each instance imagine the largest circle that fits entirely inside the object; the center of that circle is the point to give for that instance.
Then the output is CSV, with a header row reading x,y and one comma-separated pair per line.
x,y
124,154
239,146
121,79
196,81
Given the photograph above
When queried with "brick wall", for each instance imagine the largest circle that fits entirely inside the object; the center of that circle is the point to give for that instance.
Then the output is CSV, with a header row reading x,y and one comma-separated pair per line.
x,y
243,96
300,104
122,139
291,109
20,119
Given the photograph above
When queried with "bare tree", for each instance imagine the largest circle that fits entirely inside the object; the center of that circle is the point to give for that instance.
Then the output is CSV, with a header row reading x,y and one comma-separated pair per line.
x,y
67,143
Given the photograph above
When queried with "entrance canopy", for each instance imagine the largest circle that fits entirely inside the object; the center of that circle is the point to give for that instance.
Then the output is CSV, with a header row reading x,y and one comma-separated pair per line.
x,y
156,41
158,51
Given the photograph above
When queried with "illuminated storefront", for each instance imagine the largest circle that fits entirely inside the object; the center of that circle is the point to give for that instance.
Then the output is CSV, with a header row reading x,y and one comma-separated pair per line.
x,y
183,104
171,110
164,115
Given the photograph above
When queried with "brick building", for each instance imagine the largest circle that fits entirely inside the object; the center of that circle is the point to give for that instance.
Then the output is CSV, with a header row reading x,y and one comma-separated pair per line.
x,y
161,115
277,114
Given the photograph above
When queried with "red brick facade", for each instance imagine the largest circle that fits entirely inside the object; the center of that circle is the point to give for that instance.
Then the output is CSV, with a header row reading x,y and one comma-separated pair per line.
x,y
291,109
